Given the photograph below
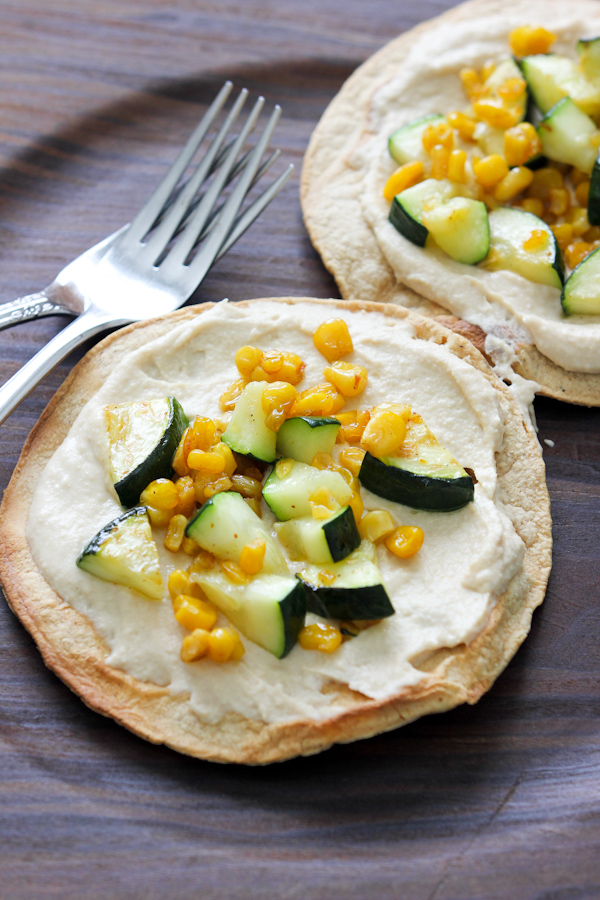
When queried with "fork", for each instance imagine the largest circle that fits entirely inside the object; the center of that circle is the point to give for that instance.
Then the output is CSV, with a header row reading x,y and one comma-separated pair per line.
x,y
153,265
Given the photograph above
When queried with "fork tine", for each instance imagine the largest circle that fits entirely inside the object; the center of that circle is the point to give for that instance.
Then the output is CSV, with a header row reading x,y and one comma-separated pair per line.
x,y
163,234
153,206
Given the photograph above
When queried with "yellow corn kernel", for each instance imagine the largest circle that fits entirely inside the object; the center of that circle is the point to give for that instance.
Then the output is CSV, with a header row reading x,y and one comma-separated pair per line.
x,y
376,525
233,571
349,379
160,494
440,157
521,143
247,487
322,503
439,133
192,613
517,180
456,166
228,457
357,506
217,486
333,340
351,458
405,541
353,424
577,176
211,463
187,498
321,400
283,467
229,396
533,205
494,113
190,546
490,170
292,369
324,461
238,649
559,201
471,83
563,234
325,638
254,505
512,89
576,253
221,644
178,583
543,181
247,359
537,240
179,459
253,556
384,433
487,70
592,234
175,533
582,192
203,561
272,361
578,218
204,432
276,401
195,645
160,518
527,41
404,177
465,125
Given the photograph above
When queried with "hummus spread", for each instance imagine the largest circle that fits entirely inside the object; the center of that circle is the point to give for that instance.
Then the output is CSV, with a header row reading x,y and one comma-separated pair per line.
x,y
442,596
504,304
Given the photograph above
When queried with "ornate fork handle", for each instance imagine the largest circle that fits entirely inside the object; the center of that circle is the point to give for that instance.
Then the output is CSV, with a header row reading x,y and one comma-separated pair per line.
x,y
30,307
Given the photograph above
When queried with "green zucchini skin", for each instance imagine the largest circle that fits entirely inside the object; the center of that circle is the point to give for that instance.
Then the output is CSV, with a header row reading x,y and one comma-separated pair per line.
x,y
415,490
320,541
293,614
158,463
302,437
409,227
594,195
581,293
370,602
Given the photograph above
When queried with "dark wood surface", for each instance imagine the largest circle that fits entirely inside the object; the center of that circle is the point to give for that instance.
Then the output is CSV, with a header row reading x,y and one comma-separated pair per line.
x,y
497,801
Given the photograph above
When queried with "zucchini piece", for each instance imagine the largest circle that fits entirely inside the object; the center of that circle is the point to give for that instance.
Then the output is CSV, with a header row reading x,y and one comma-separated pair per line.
x,y
461,228
287,495
550,78
124,552
142,440
509,229
302,437
320,540
408,206
424,475
269,610
589,58
351,589
406,144
569,136
490,139
225,524
594,195
581,293
507,68
247,430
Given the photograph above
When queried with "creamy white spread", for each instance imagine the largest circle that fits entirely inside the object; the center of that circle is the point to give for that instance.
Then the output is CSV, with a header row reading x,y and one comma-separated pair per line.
x,y
428,82
442,596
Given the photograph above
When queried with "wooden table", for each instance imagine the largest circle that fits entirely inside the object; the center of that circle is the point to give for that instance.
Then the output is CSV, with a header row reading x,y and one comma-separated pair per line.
x,y
497,801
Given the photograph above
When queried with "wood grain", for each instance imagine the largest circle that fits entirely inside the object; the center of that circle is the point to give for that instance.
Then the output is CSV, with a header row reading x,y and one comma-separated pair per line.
x,y
497,801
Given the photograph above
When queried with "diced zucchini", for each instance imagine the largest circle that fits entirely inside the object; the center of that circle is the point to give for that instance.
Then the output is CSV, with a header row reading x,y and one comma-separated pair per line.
x,y
569,136
302,437
287,495
594,194
142,440
461,228
225,524
320,540
509,230
408,206
589,58
581,293
507,68
351,589
124,552
406,144
424,475
247,431
551,77
269,610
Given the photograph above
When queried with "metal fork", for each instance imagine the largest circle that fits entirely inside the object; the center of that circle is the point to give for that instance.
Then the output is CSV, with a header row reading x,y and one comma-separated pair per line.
x,y
151,266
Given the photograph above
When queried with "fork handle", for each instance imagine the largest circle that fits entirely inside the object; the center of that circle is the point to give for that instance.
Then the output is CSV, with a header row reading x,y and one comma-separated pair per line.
x,y
31,307
90,323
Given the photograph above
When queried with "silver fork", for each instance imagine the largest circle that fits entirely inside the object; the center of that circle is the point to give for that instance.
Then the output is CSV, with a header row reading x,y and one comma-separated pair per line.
x,y
149,267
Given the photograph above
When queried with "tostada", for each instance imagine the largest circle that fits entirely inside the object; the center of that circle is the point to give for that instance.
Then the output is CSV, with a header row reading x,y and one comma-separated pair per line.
x,y
457,172
251,530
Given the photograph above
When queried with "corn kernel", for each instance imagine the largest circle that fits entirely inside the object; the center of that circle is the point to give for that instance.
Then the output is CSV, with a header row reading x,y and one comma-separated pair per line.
x,y
322,503
211,463
160,518
351,458
178,583
179,459
512,89
187,498
321,400
254,505
221,645
194,613
527,41
283,467
563,234
357,506
247,359
234,571
333,340
543,181
578,218
247,487
325,638
439,133
456,166
533,205
582,192
384,433
376,525
576,253
464,124
253,556
592,234
272,362
537,240
405,541
190,546
440,158
577,177
353,425
238,649
216,487
227,454
517,180
471,83
487,70
404,177
494,113
559,201
203,561
349,379
195,645
276,402
490,170
205,433
521,143
175,533
160,494
230,395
